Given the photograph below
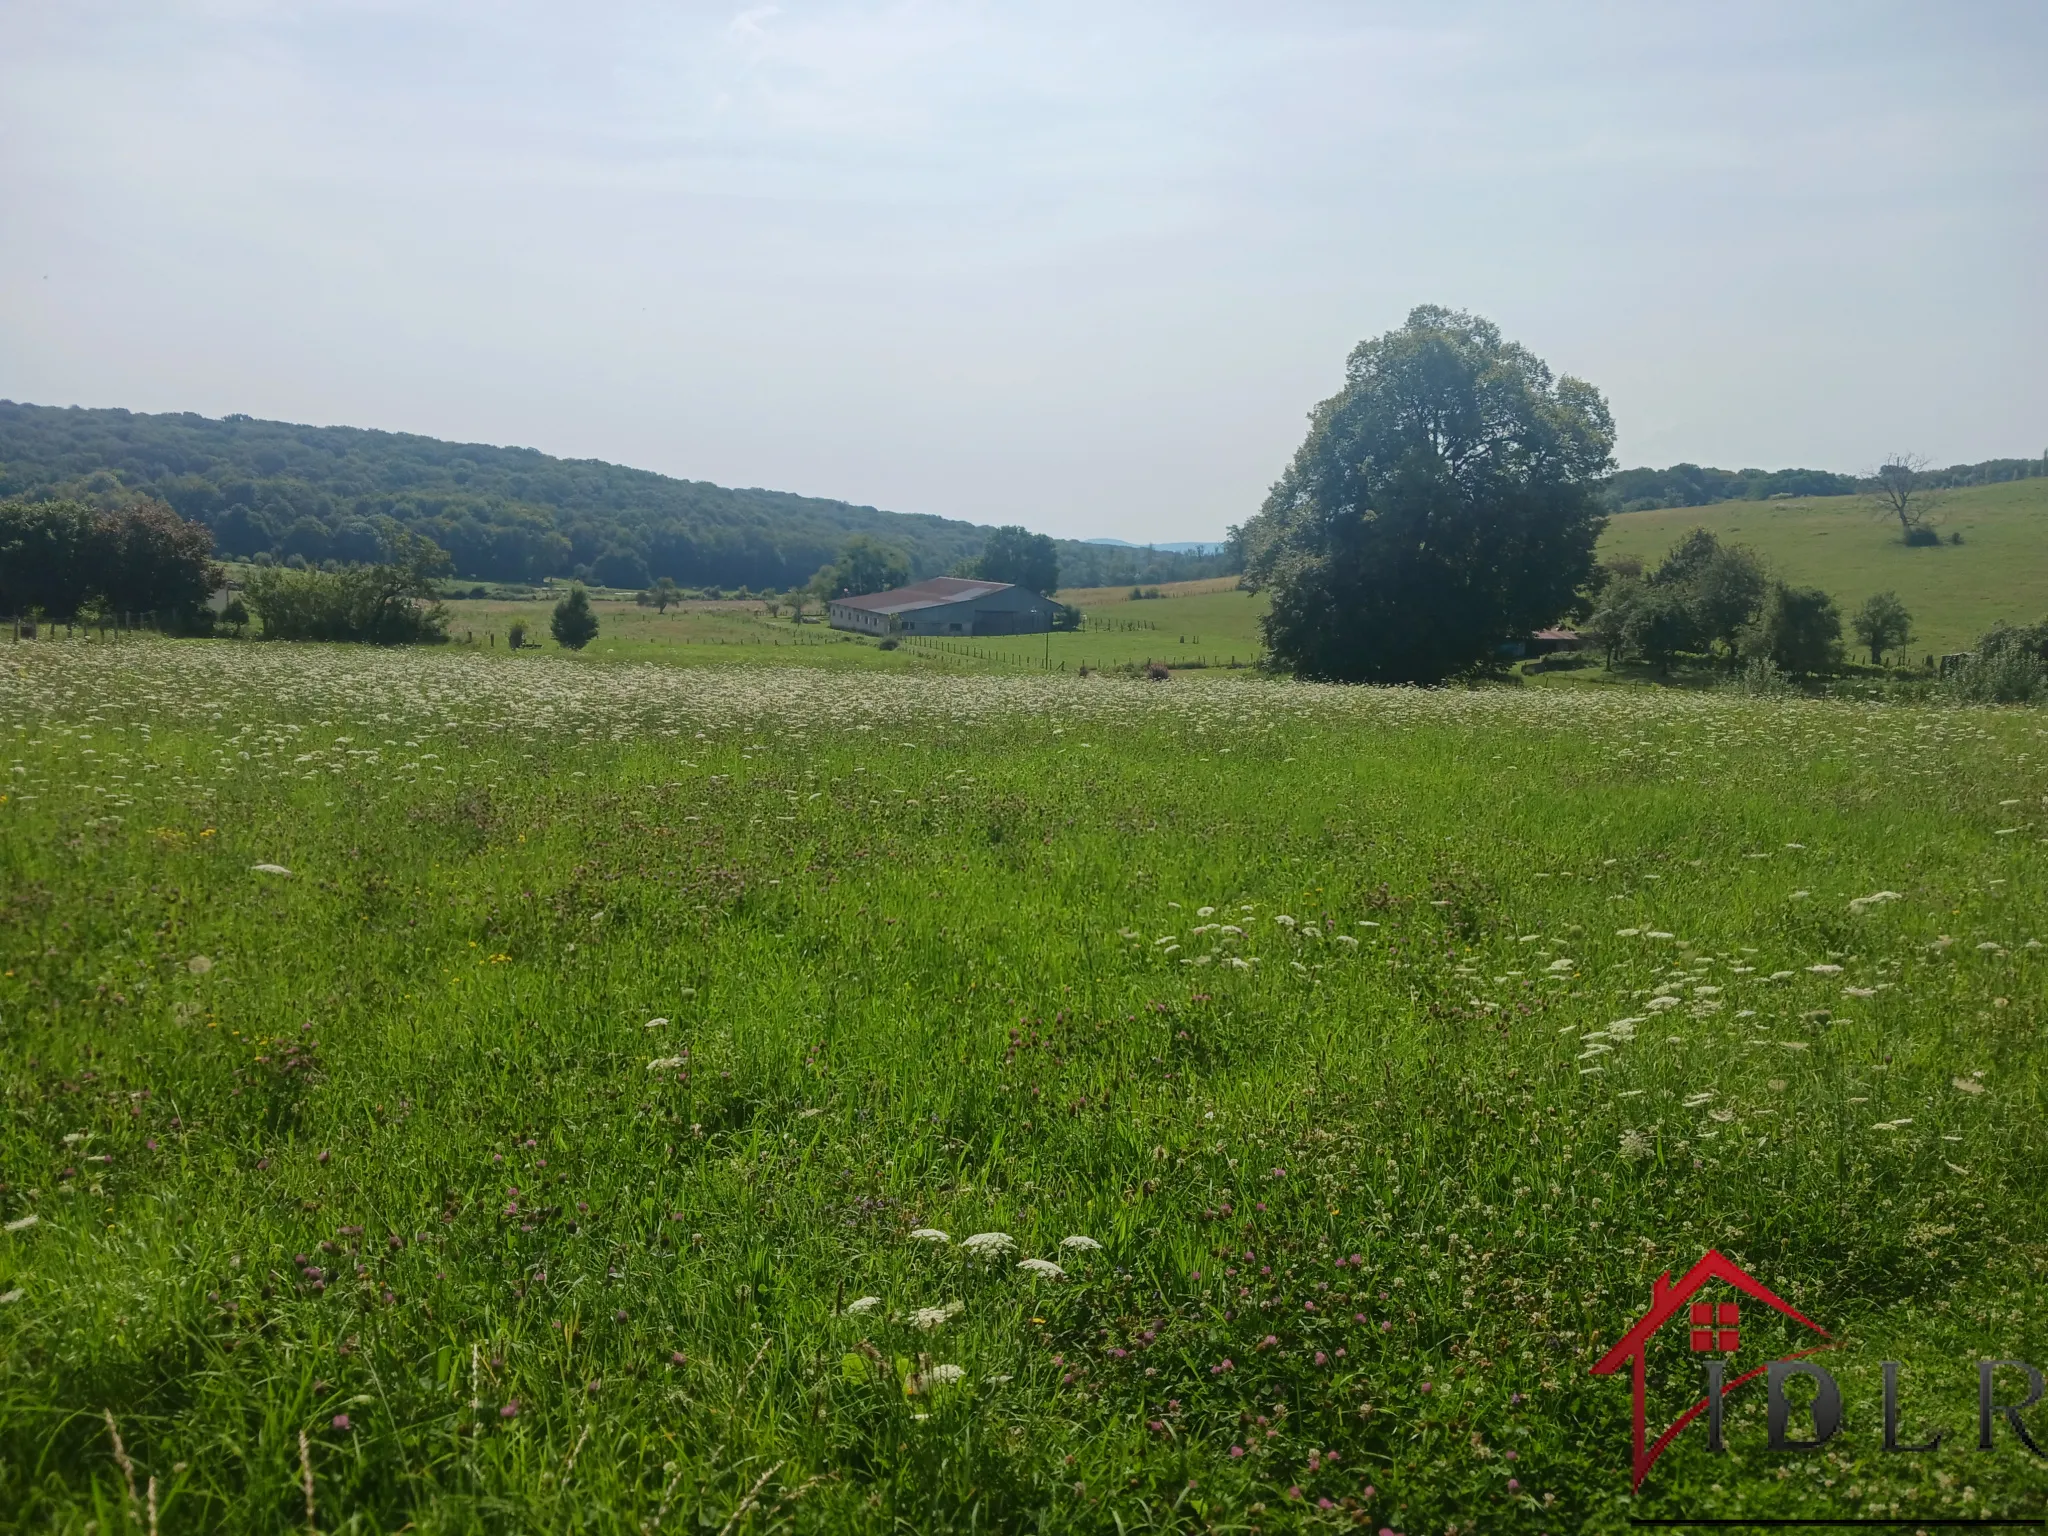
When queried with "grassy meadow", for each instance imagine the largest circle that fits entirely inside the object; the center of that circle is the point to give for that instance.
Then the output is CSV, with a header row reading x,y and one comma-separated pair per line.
x,y
454,1092
1191,624
1955,592
1838,543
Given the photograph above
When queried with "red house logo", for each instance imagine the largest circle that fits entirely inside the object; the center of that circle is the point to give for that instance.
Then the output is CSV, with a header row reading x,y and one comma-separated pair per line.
x,y
1712,1328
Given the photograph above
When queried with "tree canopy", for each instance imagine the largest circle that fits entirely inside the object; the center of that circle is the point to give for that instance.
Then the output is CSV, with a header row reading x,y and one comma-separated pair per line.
x,y
62,556
1018,555
865,565
1444,503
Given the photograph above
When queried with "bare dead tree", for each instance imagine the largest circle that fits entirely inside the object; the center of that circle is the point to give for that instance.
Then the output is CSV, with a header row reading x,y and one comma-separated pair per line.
x,y
1900,489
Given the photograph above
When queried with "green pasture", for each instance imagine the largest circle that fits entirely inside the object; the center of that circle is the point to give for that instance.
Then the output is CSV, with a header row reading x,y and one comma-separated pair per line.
x,y
1840,544
1206,624
451,1092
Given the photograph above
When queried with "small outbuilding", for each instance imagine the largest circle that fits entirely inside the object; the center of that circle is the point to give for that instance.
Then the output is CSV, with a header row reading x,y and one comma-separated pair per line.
x,y
1543,642
944,605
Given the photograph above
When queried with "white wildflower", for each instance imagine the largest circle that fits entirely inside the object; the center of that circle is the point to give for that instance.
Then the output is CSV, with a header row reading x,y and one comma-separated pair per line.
x,y
863,1307
1859,991
1635,1145
1627,933
1079,1242
654,1024
1284,920
666,1063
269,869
1825,970
940,1375
199,965
1863,904
1966,1084
1705,1097
930,1235
1044,1268
12,1297
23,1223
1799,896
1205,911
1656,933
1892,1125
989,1245
929,1318
1561,965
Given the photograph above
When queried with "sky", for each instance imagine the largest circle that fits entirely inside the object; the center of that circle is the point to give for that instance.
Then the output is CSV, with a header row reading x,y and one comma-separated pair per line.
x,y
1084,266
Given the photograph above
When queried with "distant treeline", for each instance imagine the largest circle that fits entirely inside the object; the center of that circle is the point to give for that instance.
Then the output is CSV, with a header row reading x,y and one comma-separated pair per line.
x,y
313,495
1691,485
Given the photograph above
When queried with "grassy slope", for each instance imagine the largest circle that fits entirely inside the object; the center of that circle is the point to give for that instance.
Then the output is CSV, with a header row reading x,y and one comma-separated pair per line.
x,y
904,933
1198,621
1955,593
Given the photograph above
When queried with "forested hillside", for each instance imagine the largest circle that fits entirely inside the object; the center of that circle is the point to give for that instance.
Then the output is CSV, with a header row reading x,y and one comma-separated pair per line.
x,y
1694,485
504,514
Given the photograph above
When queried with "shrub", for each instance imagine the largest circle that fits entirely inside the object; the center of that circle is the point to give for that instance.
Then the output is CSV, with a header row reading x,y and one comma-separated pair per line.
x,y
1800,629
1762,678
574,626
1921,537
2010,676
389,604
889,644
516,635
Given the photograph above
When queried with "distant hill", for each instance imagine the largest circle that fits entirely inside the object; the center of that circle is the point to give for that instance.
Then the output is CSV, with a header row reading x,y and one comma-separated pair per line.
x,y
1690,485
1214,548
505,514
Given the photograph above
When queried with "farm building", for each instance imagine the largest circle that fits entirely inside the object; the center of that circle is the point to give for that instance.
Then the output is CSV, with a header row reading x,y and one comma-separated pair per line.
x,y
1544,641
945,605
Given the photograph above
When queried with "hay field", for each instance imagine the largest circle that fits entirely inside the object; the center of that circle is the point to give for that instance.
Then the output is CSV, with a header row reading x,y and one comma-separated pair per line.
x,y
456,1092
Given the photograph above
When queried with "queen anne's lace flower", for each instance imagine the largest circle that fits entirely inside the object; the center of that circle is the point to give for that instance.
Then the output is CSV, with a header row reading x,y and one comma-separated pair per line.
x,y
1043,1267
1079,1242
863,1306
989,1245
929,1235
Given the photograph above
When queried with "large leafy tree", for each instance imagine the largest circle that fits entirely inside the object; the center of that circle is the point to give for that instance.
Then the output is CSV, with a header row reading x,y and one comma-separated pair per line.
x,y
152,560
58,556
49,557
1444,503
1018,555
865,565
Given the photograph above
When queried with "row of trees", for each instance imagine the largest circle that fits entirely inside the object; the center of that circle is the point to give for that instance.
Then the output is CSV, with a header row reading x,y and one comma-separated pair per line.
x,y
66,560
1718,600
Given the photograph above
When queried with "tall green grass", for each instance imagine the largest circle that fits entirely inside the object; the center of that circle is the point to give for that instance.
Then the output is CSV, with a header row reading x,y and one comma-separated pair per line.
x,y
533,1145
